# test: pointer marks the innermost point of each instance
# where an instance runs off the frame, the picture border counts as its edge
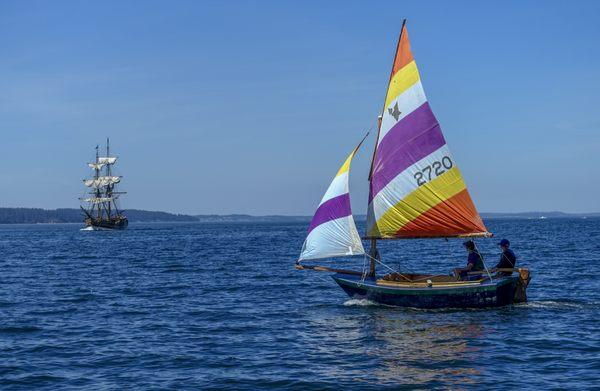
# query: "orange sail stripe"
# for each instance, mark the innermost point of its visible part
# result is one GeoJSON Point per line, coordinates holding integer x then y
{"type": "Point", "coordinates": [453, 217]}
{"type": "Point", "coordinates": [403, 55]}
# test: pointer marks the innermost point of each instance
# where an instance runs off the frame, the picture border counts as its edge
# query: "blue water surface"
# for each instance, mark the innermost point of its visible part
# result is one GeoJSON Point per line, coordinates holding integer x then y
{"type": "Point", "coordinates": [220, 306]}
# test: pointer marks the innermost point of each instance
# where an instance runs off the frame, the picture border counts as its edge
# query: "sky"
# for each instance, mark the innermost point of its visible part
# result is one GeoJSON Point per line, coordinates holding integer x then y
{"type": "Point", "coordinates": [252, 106]}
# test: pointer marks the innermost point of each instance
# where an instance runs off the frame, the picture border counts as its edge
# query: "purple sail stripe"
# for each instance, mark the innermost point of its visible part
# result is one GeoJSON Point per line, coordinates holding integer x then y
{"type": "Point", "coordinates": [331, 209]}
{"type": "Point", "coordinates": [410, 140]}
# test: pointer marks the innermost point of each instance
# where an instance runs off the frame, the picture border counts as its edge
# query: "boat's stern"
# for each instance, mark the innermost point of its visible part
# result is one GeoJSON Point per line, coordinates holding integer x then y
{"type": "Point", "coordinates": [521, 285]}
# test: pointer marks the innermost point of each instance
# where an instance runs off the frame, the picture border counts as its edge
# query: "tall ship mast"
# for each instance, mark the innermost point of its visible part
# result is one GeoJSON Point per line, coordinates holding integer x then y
{"type": "Point", "coordinates": [99, 203]}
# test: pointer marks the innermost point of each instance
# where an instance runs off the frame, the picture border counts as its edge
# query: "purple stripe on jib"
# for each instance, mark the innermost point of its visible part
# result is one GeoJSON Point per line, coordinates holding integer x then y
{"type": "Point", "coordinates": [410, 140]}
{"type": "Point", "coordinates": [331, 209]}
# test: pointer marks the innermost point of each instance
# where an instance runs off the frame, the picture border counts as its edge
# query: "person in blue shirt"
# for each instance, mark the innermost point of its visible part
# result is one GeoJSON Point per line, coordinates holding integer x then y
{"type": "Point", "coordinates": [508, 259]}
{"type": "Point", "coordinates": [474, 261]}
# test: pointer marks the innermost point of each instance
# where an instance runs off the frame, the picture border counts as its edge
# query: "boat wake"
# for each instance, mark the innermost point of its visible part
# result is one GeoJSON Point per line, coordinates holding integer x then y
{"type": "Point", "coordinates": [554, 304]}
{"type": "Point", "coordinates": [361, 303]}
{"type": "Point", "coordinates": [90, 228]}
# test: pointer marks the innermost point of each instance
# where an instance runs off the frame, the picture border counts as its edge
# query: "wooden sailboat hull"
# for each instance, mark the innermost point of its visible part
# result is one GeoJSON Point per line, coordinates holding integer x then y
{"type": "Point", "coordinates": [498, 293]}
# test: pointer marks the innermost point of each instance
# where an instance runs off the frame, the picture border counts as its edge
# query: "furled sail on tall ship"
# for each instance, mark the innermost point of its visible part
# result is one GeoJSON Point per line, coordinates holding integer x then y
{"type": "Point", "coordinates": [102, 181]}
{"type": "Point", "coordinates": [416, 188]}
{"type": "Point", "coordinates": [332, 231]}
{"type": "Point", "coordinates": [107, 160]}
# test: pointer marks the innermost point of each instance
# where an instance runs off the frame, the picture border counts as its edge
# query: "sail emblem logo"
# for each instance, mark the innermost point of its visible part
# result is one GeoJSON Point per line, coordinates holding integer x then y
{"type": "Point", "coordinates": [395, 112]}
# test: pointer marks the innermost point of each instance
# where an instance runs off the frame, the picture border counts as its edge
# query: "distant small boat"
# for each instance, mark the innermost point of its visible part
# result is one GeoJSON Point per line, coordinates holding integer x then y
{"type": "Point", "coordinates": [101, 211]}
{"type": "Point", "coordinates": [416, 191]}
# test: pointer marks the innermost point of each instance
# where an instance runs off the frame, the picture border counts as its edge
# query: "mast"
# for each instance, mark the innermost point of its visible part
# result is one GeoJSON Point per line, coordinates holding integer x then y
{"type": "Point", "coordinates": [108, 170]}
{"type": "Point", "coordinates": [96, 176]}
{"type": "Point", "coordinates": [373, 252]}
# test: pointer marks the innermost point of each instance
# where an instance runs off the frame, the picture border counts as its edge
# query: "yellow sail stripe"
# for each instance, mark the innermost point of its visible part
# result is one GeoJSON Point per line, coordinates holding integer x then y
{"type": "Point", "coordinates": [346, 166]}
{"type": "Point", "coordinates": [418, 202]}
{"type": "Point", "coordinates": [401, 81]}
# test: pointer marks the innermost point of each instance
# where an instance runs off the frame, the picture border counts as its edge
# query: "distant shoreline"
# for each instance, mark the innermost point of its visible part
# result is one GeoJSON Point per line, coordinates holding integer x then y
{"type": "Point", "coordinates": [72, 215]}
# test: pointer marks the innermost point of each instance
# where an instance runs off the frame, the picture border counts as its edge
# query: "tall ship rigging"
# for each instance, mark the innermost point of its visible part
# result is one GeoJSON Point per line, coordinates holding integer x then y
{"type": "Point", "coordinates": [416, 192]}
{"type": "Point", "coordinates": [99, 203]}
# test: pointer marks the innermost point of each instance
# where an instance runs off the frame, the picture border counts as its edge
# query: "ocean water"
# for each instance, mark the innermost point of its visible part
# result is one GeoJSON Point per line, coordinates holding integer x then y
{"type": "Point", "coordinates": [220, 306]}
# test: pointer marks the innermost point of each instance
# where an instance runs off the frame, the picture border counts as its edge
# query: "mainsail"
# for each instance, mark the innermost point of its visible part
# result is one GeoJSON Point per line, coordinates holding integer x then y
{"type": "Point", "coordinates": [416, 189]}
{"type": "Point", "coordinates": [332, 231]}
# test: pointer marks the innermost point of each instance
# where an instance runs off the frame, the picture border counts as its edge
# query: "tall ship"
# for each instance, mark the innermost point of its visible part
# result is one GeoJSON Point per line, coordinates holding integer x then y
{"type": "Point", "coordinates": [416, 191]}
{"type": "Point", "coordinates": [99, 203]}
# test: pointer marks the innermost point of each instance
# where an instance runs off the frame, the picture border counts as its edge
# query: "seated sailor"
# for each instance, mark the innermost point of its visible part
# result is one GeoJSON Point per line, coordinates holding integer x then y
{"type": "Point", "coordinates": [474, 262]}
{"type": "Point", "coordinates": [508, 259]}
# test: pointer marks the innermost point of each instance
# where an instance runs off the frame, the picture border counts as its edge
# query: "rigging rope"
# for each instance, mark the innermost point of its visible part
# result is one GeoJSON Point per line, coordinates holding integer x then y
{"type": "Point", "coordinates": [383, 264]}
{"type": "Point", "coordinates": [483, 261]}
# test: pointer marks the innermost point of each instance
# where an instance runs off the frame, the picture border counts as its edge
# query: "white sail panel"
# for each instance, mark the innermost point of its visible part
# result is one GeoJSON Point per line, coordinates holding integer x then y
{"type": "Point", "coordinates": [102, 181]}
{"type": "Point", "coordinates": [107, 160]}
{"type": "Point", "coordinates": [335, 238]}
{"type": "Point", "coordinates": [96, 166]}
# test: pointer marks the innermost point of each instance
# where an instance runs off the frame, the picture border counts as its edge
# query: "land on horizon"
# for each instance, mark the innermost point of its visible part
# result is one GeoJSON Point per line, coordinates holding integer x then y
{"type": "Point", "coordinates": [72, 215]}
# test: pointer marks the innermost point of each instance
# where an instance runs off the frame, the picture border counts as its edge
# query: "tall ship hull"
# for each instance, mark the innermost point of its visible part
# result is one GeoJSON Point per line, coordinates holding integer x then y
{"type": "Point", "coordinates": [105, 224]}
{"type": "Point", "coordinates": [101, 210]}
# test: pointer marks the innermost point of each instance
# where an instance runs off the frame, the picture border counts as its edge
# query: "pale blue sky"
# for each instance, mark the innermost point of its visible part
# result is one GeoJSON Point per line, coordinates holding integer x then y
{"type": "Point", "coordinates": [250, 107]}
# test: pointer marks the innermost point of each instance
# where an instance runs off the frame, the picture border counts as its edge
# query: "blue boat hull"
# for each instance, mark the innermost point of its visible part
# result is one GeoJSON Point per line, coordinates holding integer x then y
{"type": "Point", "coordinates": [498, 293]}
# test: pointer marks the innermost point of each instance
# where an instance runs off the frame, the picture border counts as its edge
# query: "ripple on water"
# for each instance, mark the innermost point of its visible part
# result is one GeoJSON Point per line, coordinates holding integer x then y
{"type": "Point", "coordinates": [19, 329]}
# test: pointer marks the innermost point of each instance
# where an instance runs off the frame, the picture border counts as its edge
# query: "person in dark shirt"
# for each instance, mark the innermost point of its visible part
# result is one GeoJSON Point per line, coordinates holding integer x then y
{"type": "Point", "coordinates": [474, 261]}
{"type": "Point", "coordinates": [508, 259]}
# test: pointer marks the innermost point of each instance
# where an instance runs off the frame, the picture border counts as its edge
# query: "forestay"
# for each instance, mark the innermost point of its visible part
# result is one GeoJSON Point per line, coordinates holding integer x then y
{"type": "Point", "coordinates": [416, 188]}
{"type": "Point", "coordinates": [332, 231]}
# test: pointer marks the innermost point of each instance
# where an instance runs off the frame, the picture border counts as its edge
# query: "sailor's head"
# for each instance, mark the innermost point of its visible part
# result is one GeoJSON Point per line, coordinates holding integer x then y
{"type": "Point", "coordinates": [469, 245]}
{"type": "Point", "coordinates": [504, 243]}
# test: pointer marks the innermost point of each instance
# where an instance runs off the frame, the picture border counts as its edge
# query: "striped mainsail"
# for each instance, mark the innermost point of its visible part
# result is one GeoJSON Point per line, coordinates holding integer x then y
{"type": "Point", "coordinates": [332, 232]}
{"type": "Point", "coordinates": [416, 188]}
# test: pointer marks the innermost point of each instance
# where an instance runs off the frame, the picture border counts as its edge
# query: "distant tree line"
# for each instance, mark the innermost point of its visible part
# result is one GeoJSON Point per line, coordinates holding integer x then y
{"type": "Point", "coordinates": [68, 215]}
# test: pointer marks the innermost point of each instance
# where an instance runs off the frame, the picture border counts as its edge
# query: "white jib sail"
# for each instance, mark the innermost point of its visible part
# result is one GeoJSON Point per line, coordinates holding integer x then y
{"type": "Point", "coordinates": [332, 231]}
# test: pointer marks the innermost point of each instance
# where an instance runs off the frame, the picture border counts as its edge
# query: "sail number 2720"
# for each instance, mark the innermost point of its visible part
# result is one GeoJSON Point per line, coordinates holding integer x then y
{"type": "Point", "coordinates": [433, 170]}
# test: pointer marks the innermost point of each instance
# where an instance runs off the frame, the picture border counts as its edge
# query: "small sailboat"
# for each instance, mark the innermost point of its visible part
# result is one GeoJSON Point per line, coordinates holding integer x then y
{"type": "Point", "coordinates": [101, 211]}
{"type": "Point", "coordinates": [416, 192]}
